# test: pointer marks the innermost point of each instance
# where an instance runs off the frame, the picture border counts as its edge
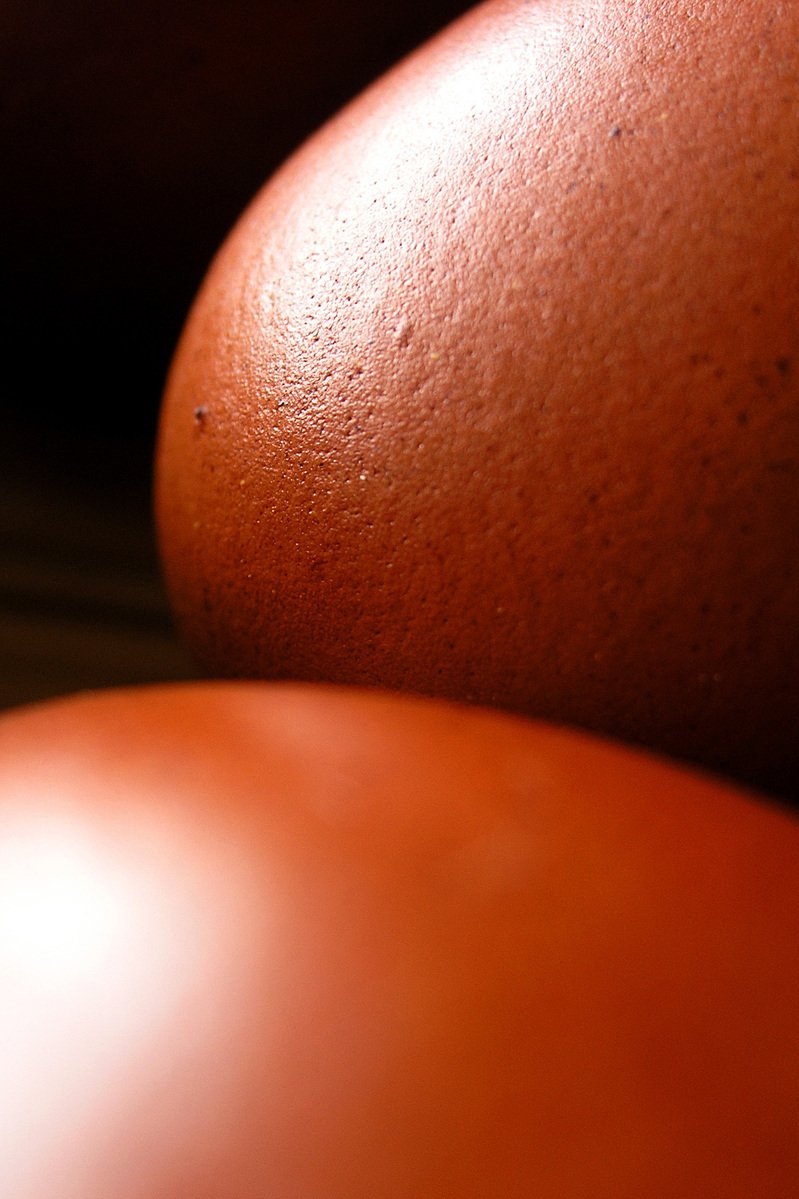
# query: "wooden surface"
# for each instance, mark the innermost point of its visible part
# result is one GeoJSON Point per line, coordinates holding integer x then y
{"type": "Point", "coordinates": [81, 599]}
{"type": "Point", "coordinates": [129, 146]}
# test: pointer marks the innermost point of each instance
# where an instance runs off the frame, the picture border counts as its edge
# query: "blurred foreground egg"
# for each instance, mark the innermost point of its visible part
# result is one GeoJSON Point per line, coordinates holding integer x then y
{"type": "Point", "coordinates": [492, 392]}
{"type": "Point", "coordinates": [271, 940]}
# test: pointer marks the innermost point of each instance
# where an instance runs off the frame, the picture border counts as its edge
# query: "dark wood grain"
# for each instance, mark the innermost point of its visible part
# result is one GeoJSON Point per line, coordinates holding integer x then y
{"type": "Point", "coordinates": [82, 604]}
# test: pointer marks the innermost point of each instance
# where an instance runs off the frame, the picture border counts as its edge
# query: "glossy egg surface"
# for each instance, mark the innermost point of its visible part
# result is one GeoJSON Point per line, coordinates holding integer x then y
{"type": "Point", "coordinates": [269, 940]}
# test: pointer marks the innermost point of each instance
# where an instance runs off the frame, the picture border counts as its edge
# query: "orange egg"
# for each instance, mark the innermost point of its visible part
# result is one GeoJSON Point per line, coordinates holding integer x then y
{"type": "Point", "coordinates": [289, 941]}
{"type": "Point", "coordinates": [492, 392]}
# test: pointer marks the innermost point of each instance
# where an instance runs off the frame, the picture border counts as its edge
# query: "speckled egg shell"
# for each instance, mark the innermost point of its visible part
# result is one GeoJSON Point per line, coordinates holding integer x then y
{"type": "Point", "coordinates": [492, 392]}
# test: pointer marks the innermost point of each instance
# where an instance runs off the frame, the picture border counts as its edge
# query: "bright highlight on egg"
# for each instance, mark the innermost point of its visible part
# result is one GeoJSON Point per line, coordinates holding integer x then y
{"type": "Point", "coordinates": [491, 397]}
{"type": "Point", "coordinates": [364, 945]}
{"type": "Point", "coordinates": [61, 907]}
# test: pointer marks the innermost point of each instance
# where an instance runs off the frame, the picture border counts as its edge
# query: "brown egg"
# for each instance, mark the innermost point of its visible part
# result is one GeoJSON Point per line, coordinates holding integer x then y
{"type": "Point", "coordinates": [287, 941]}
{"type": "Point", "coordinates": [492, 393]}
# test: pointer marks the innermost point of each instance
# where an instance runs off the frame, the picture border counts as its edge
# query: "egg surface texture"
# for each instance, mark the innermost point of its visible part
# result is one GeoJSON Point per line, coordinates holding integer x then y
{"type": "Point", "coordinates": [492, 393]}
{"type": "Point", "coordinates": [274, 940]}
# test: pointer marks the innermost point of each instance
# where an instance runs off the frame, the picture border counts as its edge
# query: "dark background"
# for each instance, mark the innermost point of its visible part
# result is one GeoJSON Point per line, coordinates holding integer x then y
{"type": "Point", "coordinates": [132, 134]}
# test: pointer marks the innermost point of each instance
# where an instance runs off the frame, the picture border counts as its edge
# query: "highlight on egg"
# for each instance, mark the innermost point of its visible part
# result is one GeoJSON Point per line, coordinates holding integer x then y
{"type": "Point", "coordinates": [291, 940]}
{"type": "Point", "coordinates": [492, 391]}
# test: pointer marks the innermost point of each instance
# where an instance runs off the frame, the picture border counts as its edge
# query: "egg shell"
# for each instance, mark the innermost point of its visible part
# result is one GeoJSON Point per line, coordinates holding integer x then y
{"type": "Point", "coordinates": [282, 940]}
{"type": "Point", "coordinates": [492, 392]}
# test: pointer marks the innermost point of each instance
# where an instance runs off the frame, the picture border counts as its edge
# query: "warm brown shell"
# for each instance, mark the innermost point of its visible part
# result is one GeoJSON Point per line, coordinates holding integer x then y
{"type": "Point", "coordinates": [280, 942]}
{"type": "Point", "coordinates": [492, 393]}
